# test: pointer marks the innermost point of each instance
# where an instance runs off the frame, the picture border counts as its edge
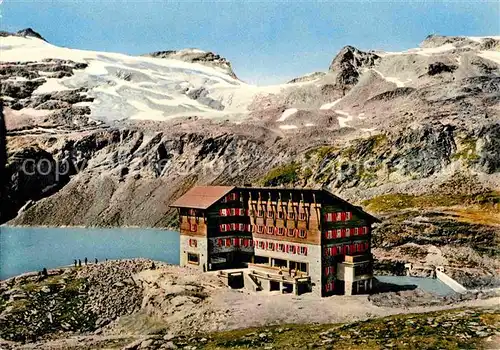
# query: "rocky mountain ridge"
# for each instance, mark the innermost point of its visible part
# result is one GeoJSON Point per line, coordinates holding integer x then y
{"type": "Point", "coordinates": [27, 32]}
{"type": "Point", "coordinates": [209, 59]}
{"type": "Point", "coordinates": [398, 121]}
{"type": "Point", "coordinates": [100, 139]}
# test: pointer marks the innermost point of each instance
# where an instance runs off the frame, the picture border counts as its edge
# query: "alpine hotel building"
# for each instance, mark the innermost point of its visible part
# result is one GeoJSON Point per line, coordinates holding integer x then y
{"type": "Point", "coordinates": [310, 232]}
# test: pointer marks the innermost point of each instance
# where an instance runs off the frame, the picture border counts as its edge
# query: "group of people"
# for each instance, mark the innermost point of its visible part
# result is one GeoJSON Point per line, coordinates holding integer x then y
{"type": "Point", "coordinates": [86, 261]}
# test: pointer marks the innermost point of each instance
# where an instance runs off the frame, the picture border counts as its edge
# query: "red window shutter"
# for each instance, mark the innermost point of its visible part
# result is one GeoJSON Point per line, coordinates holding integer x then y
{"type": "Point", "coordinates": [228, 242]}
{"type": "Point", "coordinates": [367, 245]}
{"type": "Point", "coordinates": [219, 242]}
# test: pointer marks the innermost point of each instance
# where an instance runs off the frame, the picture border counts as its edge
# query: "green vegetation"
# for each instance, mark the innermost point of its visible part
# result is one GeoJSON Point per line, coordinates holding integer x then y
{"type": "Point", "coordinates": [467, 151]}
{"type": "Point", "coordinates": [61, 296]}
{"type": "Point", "coordinates": [378, 141]}
{"type": "Point", "coordinates": [455, 329]}
{"type": "Point", "coordinates": [282, 175]}
{"type": "Point", "coordinates": [320, 152]}
{"type": "Point", "coordinates": [398, 201]}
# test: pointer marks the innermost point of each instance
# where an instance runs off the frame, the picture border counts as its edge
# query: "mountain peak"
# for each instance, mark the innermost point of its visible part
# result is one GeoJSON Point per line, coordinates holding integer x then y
{"type": "Point", "coordinates": [26, 32]}
{"type": "Point", "coordinates": [193, 55]}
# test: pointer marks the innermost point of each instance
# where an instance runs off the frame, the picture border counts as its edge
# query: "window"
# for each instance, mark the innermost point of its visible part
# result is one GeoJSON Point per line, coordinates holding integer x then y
{"type": "Point", "coordinates": [270, 214]}
{"type": "Point", "coordinates": [329, 217]}
{"type": "Point", "coordinates": [193, 258]}
{"type": "Point", "coordinates": [291, 215]}
{"type": "Point", "coordinates": [291, 232]}
{"type": "Point", "coordinates": [269, 230]}
{"type": "Point", "coordinates": [302, 216]}
{"type": "Point", "coordinates": [303, 250]}
{"type": "Point", "coordinates": [291, 249]}
{"type": "Point", "coordinates": [193, 242]}
{"type": "Point", "coordinates": [261, 229]}
{"type": "Point", "coordinates": [261, 213]}
{"type": "Point", "coordinates": [193, 227]}
{"type": "Point", "coordinates": [270, 246]}
{"type": "Point", "coordinates": [329, 287]}
{"type": "Point", "coordinates": [281, 231]}
{"type": "Point", "coordinates": [280, 215]}
{"type": "Point", "coordinates": [302, 233]}
{"type": "Point", "coordinates": [262, 245]}
{"type": "Point", "coordinates": [281, 247]}
{"type": "Point", "coordinates": [329, 270]}
{"type": "Point", "coordinates": [348, 215]}
{"type": "Point", "coordinates": [228, 242]}
{"type": "Point", "coordinates": [331, 251]}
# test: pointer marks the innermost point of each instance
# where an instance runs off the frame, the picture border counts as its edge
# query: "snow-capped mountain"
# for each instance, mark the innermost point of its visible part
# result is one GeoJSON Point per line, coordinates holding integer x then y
{"type": "Point", "coordinates": [154, 125]}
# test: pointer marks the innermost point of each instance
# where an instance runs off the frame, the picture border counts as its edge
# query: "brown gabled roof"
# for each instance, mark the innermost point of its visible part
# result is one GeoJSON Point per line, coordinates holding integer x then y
{"type": "Point", "coordinates": [202, 197]}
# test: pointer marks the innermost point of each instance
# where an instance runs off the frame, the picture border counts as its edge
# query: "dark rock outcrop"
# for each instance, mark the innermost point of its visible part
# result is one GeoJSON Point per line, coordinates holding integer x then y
{"type": "Point", "coordinates": [348, 64]}
{"type": "Point", "coordinates": [440, 67]}
{"type": "Point", "coordinates": [27, 32]}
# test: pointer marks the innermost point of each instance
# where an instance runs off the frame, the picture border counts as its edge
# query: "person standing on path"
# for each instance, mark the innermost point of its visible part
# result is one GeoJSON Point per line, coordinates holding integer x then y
{"type": "Point", "coordinates": [79, 263]}
{"type": "Point", "coordinates": [96, 260]}
{"type": "Point", "coordinates": [86, 260]}
{"type": "Point", "coordinates": [75, 262]}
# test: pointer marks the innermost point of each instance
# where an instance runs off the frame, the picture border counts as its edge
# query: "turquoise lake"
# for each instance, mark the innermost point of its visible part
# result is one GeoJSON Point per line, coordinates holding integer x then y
{"type": "Point", "coordinates": [25, 249]}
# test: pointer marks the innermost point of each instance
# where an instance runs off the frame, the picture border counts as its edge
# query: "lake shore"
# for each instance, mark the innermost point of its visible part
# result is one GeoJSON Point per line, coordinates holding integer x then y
{"type": "Point", "coordinates": [26, 249]}
{"type": "Point", "coordinates": [132, 299]}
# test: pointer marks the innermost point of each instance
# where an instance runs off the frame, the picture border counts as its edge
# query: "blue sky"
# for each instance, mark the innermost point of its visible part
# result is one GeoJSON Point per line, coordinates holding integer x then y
{"type": "Point", "coordinates": [266, 42]}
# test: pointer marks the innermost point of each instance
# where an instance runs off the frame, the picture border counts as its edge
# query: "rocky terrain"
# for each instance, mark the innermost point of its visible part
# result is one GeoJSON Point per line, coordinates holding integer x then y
{"type": "Point", "coordinates": [105, 139]}
{"type": "Point", "coordinates": [141, 304]}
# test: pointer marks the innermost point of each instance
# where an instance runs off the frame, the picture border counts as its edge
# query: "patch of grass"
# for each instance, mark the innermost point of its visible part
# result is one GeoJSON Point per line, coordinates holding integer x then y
{"type": "Point", "coordinates": [399, 201]}
{"type": "Point", "coordinates": [451, 329]}
{"type": "Point", "coordinates": [467, 151]}
{"type": "Point", "coordinates": [74, 286]}
{"type": "Point", "coordinates": [307, 173]}
{"type": "Point", "coordinates": [20, 305]}
{"type": "Point", "coordinates": [282, 175]}
{"type": "Point", "coordinates": [320, 152]}
{"type": "Point", "coordinates": [477, 215]}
